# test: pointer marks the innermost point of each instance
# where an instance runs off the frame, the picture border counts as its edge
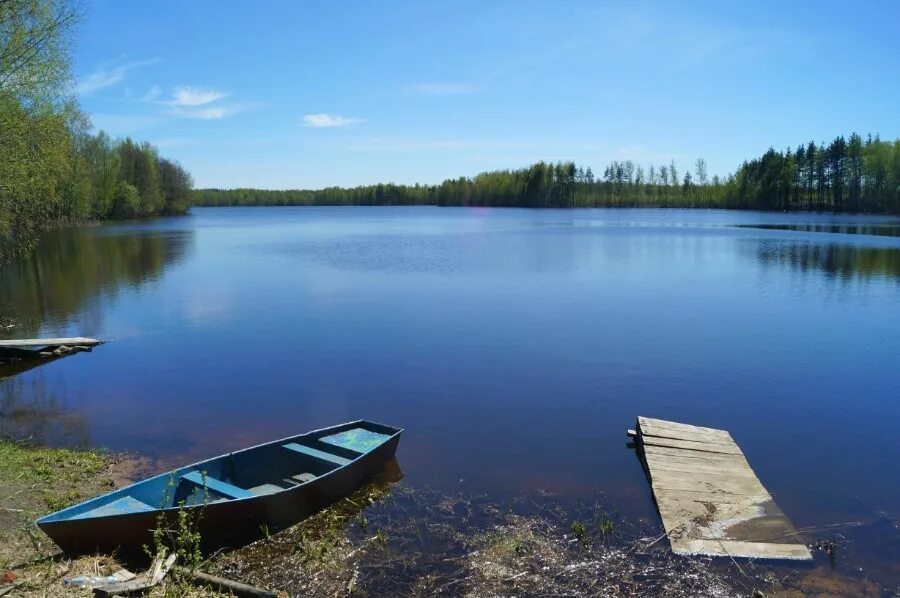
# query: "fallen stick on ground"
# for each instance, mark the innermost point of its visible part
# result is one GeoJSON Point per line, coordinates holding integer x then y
{"type": "Point", "coordinates": [236, 588]}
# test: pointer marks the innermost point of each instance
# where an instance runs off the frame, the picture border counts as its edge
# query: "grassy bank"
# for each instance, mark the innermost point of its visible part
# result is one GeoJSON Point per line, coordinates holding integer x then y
{"type": "Point", "coordinates": [35, 481]}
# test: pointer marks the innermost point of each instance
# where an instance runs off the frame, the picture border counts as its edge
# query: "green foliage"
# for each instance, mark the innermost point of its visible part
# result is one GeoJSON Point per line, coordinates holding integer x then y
{"type": "Point", "coordinates": [606, 525]}
{"type": "Point", "coordinates": [52, 170]}
{"type": "Point", "coordinates": [846, 175]}
{"type": "Point", "coordinates": [127, 201]}
{"type": "Point", "coordinates": [33, 154]}
{"type": "Point", "coordinates": [34, 51]}
{"type": "Point", "coordinates": [184, 537]}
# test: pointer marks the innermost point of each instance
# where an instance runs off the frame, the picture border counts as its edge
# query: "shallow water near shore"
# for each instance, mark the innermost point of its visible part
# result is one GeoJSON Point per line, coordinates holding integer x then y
{"type": "Point", "coordinates": [514, 346]}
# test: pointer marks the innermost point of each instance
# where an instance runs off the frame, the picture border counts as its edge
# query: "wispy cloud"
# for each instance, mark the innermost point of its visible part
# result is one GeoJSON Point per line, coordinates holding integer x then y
{"type": "Point", "coordinates": [152, 93]}
{"type": "Point", "coordinates": [323, 120]}
{"type": "Point", "coordinates": [107, 75]}
{"type": "Point", "coordinates": [209, 113]}
{"type": "Point", "coordinates": [441, 88]}
{"type": "Point", "coordinates": [195, 96]}
{"type": "Point", "coordinates": [200, 103]}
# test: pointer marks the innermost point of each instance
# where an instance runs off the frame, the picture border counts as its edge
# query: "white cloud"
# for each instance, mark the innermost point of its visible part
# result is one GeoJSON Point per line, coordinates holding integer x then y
{"type": "Point", "coordinates": [323, 120]}
{"type": "Point", "coordinates": [441, 88]}
{"type": "Point", "coordinates": [108, 75]}
{"type": "Point", "coordinates": [195, 96]}
{"type": "Point", "coordinates": [152, 93]}
{"type": "Point", "coordinates": [210, 113]}
{"type": "Point", "coordinates": [200, 103]}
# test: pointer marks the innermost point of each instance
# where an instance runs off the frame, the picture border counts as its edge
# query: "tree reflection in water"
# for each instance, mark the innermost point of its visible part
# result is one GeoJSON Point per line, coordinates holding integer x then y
{"type": "Point", "coordinates": [69, 277]}
{"type": "Point", "coordinates": [877, 229]}
{"type": "Point", "coordinates": [837, 260]}
{"type": "Point", "coordinates": [73, 269]}
{"type": "Point", "coordinates": [30, 411]}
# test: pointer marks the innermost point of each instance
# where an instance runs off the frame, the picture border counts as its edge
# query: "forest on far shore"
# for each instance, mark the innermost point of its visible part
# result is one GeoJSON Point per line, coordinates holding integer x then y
{"type": "Point", "coordinates": [55, 169]}
{"type": "Point", "coordinates": [848, 175]}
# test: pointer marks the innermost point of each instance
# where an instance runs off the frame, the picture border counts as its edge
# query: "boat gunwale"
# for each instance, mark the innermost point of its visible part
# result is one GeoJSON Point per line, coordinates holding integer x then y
{"type": "Point", "coordinates": [54, 518]}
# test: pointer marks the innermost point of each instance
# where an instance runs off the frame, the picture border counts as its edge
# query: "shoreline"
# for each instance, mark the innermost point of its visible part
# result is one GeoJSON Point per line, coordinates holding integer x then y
{"type": "Point", "coordinates": [388, 537]}
{"type": "Point", "coordinates": [530, 208]}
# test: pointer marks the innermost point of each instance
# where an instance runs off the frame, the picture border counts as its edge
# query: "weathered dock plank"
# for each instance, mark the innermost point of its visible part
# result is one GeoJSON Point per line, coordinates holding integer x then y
{"type": "Point", "coordinates": [710, 500]}
{"type": "Point", "coordinates": [692, 445]}
{"type": "Point", "coordinates": [76, 341]}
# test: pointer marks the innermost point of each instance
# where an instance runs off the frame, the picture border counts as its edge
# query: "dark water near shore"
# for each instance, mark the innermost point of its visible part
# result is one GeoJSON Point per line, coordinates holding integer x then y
{"type": "Point", "coordinates": [514, 346]}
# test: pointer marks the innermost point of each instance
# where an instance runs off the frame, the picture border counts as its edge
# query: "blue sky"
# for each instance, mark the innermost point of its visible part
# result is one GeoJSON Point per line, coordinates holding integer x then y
{"type": "Point", "coordinates": [295, 94]}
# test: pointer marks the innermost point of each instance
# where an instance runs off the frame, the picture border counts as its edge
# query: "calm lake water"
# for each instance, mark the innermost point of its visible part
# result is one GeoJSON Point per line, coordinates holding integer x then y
{"type": "Point", "coordinates": [515, 346]}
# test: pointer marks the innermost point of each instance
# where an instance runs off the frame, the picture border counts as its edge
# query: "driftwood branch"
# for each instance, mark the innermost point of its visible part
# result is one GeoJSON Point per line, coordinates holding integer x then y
{"type": "Point", "coordinates": [227, 586]}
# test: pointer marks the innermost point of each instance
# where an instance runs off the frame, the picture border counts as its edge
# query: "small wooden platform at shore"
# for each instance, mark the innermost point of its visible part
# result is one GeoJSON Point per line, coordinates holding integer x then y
{"type": "Point", "coordinates": [48, 343]}
{"type": "Point", "coordinates": [710, 501]}
{"type": "Point", "coordinates": [20, 355]}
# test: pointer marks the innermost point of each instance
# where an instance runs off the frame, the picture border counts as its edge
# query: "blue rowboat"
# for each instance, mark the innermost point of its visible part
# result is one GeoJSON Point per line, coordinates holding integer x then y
{"type": "Point", "coordinates": [237, 497]}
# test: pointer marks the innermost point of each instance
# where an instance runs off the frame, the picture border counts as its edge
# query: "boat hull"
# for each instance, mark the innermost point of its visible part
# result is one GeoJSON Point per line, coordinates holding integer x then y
{"type": "Point", "coordinates": [222, 525]}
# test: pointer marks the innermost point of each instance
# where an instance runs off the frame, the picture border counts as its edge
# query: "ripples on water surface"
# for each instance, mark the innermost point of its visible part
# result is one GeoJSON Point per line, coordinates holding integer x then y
{"type": "Point", "coordinates": [514, 346]}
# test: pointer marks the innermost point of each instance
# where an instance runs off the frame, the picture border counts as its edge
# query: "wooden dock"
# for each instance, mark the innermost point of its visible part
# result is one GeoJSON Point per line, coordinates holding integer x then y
{"type": "Point", "coordinates": [20, 355]}
{"type": "Point", "coordinates": [77, 341]}
{"type": "Point", "coordinates": [710, 501]}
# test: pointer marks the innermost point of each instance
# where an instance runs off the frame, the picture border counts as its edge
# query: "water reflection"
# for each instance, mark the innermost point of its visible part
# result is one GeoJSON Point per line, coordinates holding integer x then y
{"type": "Point", "coordinates": [880, 230]}
{"type": "Point", "coordinates": [13, 367]}
{"type": "Point", "coordinates": [72, 268]}
{"type": "Point", "coordinates": [838, 260]}
{"type": "Point", "coordinates": [30, 410]}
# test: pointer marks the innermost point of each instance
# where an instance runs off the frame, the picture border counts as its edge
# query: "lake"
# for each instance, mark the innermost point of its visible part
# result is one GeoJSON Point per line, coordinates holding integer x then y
{"type": "Point", "coordinates": [515, 346]}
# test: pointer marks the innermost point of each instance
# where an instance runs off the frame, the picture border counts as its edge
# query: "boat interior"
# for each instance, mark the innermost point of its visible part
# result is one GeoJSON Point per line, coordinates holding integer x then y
{"type": "Point", "coordinates": [251, 472]}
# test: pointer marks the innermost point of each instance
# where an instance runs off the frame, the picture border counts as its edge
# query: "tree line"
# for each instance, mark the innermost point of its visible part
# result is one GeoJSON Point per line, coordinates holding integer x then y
{"type": "Point", "coordinates": [846, 175]}
{"type": "Point", "coordinates": [52, 169]}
